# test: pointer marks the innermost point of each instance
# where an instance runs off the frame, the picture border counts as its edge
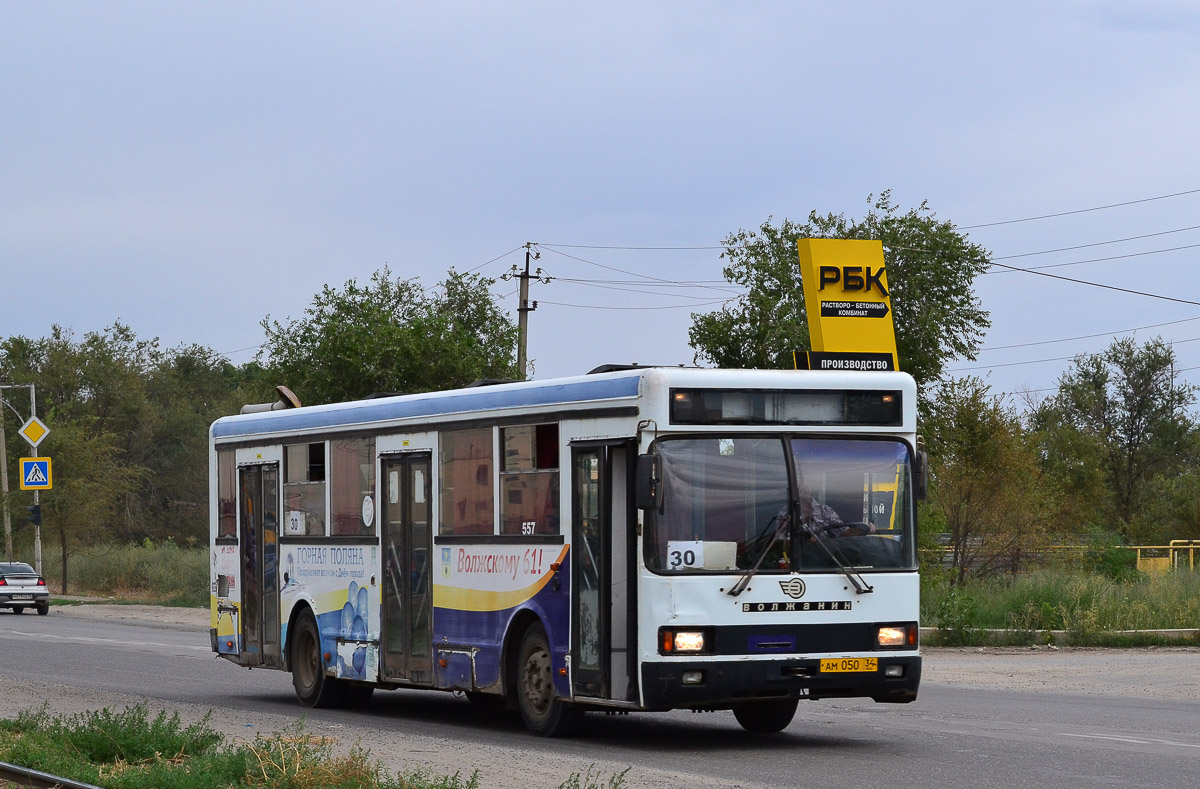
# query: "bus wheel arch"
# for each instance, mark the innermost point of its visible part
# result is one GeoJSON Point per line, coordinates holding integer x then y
{"type": "Point", "coordinates": [314, 688]}
{"type": "Point", "coordinates": [301, 608]}
{"type": "Point", "coordinates": [543, 711]}
{"type": "Point", "coordinates": [521, 621]}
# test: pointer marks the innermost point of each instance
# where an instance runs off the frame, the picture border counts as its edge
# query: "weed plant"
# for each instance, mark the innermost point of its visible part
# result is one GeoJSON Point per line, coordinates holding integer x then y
{"type": "Point", "coordinates": [163, 573]}
{"type": "Point", "coordinates": [1089, 606]}
{"type": "Point", "coordinates": [133, 750]}
{"type": "Point", "coordinates": [122, 750]}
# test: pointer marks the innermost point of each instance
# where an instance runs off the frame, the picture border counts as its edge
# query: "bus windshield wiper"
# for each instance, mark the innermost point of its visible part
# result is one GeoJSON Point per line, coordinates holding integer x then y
{"type": "Point", "coordinates": [856, 580]}
{"type": "Point", "coordinates": [781, 529]}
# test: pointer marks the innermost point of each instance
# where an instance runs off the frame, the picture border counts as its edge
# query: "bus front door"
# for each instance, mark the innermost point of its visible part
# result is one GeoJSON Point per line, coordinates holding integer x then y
{"type": "Point", "coordinates": [601, 550]}
{"type": "Point", "coordinates": [407, 652]}
{"type": "Point", "coordinates": [258, 486]}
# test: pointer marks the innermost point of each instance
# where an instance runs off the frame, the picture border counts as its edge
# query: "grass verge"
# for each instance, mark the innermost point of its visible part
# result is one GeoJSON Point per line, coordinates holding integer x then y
{"type": "Point", "coordinates": [131, 749]}
{"type": "Point", "coordinates": [1084, 608]}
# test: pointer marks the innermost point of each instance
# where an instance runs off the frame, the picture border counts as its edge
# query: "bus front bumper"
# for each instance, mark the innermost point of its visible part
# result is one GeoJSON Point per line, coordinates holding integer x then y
{"type": "Point", "coordinates": [717, 684]}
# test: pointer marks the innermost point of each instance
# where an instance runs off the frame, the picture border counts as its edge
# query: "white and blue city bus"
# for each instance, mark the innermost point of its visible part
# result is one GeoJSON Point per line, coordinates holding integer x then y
{"type": "Point", "coordinates": [633, 539]}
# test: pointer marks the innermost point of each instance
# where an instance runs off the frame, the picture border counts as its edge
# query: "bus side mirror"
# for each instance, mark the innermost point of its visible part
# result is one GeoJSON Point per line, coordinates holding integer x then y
{"type": "Point", "coordinates": [922, 474]}
{"type": "Point", "coordinates": [649, 482]}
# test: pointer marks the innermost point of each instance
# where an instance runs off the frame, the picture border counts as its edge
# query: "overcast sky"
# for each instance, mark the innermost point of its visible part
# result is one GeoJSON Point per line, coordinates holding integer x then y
{"type": "Point", "coordinates": [191, 168]}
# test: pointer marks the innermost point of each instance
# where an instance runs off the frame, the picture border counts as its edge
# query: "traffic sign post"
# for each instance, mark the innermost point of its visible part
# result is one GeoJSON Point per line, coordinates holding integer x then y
{"type": "Point", "coordinates": [34, 431]}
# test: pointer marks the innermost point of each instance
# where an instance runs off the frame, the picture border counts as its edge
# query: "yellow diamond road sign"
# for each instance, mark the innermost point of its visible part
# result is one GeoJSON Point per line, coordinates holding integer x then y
{"type": "Point", "coordinates": [34, 431]}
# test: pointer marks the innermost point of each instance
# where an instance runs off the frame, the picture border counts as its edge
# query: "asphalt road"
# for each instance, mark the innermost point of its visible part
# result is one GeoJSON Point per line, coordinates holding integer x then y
{"type": "Point", "coordinates": [1003, 724]}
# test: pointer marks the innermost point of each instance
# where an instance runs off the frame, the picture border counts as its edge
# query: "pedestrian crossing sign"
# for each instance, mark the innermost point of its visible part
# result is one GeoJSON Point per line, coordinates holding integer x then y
{"type": "Point", "coordinates": [36, 474]}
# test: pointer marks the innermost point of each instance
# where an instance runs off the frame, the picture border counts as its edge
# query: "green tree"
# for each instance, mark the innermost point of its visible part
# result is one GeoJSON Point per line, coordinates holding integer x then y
{"type": "Point", "coordinates": [987, 488]}
{"type": "Point", "coordinates": [140, 409]}
{"type": "Point", "coordinates": [391, 336]}
{"type": "Point", "coordinates": [91, 488]}
{"type": "Point", "coordinates": [931, 268]}
{"type": "Point", "coordinates": [187, 390]}
{"type": "Point", "coordinates": [1122, 413]}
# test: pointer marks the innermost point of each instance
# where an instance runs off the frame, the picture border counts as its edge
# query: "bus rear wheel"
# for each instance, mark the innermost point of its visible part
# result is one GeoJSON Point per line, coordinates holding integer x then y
{"type": "Point", "coordinates": [313, 688]}
{"type": "Point", "coordinates": [544, 713]}
{"type": "Point", "coordinates": [765, 717]}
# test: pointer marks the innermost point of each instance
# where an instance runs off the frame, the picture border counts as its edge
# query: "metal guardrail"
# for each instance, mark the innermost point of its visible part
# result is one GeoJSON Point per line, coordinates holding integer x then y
{"type": "Point", "coordinates": [1177, 554]}
{"type": "Point", "coordinates": [23, 776]}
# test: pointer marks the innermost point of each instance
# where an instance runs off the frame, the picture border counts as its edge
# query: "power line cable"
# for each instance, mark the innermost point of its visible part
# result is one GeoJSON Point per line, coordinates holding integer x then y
{"type": "Point", "coordinates": [1055, 388]}
{"type": "Point", "coordinates": [239, 350]}
{"type": "Point", "coordinates": [1172, 343]}
{"type": "Point", "coordinates": [683, 283]}
{"type": "Point", "coordinates": [1080, 211]}
{"type": "Point", "coordinates": [1087, 336]}
{"type": "Point", "coordinates": [493, 260]}
{"type": "Point", "coordinates": [604, 307]}
{"type": "Point", "coordinates": [1099, 260]}
{"type": "Point", "coordinates": [1099, 285]}
{"type": "Point", "coordinates": [635, 290]}
{"type": "Point", "coordinates": [1098, 243]}
{"type": "Point", "coordinates": [481, 265]}
{"type": "Point", "coordinates": [614, 268]}
{"type": "Point", "coordinates": [602, 246]}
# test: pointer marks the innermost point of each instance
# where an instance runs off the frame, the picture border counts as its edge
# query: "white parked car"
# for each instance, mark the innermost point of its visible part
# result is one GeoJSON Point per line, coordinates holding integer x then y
{"type": "Point", "coordinates": [21, 587]}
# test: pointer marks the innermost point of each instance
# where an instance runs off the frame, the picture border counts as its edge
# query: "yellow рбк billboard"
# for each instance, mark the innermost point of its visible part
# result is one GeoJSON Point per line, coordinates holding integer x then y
{"type": "Point", "coordinates": [848, 304]}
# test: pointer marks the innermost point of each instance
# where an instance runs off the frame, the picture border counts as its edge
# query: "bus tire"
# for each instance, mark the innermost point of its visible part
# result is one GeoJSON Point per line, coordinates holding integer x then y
{"type": "Point", "coordinates": [544, 713]}
{"type": "Point", "coordinates": [313, 688]}
{"type": "Point", "coordinates": [765, 717]}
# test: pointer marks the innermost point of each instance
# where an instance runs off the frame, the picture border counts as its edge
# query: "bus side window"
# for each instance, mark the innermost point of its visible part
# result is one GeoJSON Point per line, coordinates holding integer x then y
{"type": "Point", "coordinates": [466, 482]}
{"type": "Point", "coordinates": [226, 509]}
{"type": "Point", "coordinates": [352, 487]}
{"type": "Point", "coordinates": [529, 480]}
{"type": "Point", "coordinates": [304, 489]}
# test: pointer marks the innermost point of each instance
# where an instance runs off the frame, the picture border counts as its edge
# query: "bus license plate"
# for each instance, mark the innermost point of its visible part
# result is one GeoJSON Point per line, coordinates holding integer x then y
{"type": "Point", "coordinates": [849, 665]}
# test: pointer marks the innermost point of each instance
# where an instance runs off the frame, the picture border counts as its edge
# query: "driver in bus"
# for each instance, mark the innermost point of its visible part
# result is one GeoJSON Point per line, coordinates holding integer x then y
{"type": "Point", "coordinates": [820, 520]}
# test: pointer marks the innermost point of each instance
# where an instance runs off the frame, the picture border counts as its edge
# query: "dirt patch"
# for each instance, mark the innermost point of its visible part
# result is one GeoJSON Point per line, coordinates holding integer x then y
{"type": "Point", "coordinates": [1169, 673]}
{"type": "Point", "coordinates": [145, 614]}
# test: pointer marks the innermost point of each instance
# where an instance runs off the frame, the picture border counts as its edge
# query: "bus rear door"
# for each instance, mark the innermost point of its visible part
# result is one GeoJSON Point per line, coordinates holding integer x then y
{"type": "Point", "coordinates": [258, 508]}
{"type": "Point", "coordinates": [406, 534]}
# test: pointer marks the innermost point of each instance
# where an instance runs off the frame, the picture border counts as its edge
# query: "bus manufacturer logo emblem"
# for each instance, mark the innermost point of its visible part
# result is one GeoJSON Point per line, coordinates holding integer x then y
{"type": "Point", "coordinates": [793, 588]}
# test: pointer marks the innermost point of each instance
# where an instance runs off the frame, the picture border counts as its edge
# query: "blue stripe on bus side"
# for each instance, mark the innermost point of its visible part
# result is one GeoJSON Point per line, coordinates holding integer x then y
{"type": "Point", "coordinates": [435, 404]}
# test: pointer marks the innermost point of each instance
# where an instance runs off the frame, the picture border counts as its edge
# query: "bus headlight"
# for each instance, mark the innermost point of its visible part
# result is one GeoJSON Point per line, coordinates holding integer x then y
{"type": "Point", "coordinates": [896, 636]}
{"type": "Point", "coordinates": [691, 641]}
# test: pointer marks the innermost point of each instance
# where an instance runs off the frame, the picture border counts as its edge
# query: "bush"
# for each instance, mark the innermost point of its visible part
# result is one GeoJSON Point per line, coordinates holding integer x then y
{"type": "Point", "coordinates": [955, 617]}
{"type": "Point", "coordinates": [1088, 606]}
{"type": "Point", "coordinates": [1105, 555]}
{"type": "Point", "coordinates": [163, 573]}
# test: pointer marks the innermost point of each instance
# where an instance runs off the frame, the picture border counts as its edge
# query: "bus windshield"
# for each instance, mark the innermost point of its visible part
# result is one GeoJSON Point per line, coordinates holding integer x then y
{"type": "Point", "coordinates": [801, 504]}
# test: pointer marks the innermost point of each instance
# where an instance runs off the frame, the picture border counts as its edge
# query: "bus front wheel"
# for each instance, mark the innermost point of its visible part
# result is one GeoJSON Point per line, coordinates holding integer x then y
{"type": "Point", "coordinates": [313, 688]}
{"type": "Point", "coordinates": [544, 713]}
{"type": "Point", "coordinates": [765, 717]}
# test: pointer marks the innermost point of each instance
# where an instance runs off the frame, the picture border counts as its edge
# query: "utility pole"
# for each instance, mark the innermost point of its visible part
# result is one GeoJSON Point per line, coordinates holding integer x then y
{"type": "Point", "coordinates": [4, 486]}
{"type": "Point", "coordinates": [37, 527]}
{"type": "Point", "coordinates": [524, 308]}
